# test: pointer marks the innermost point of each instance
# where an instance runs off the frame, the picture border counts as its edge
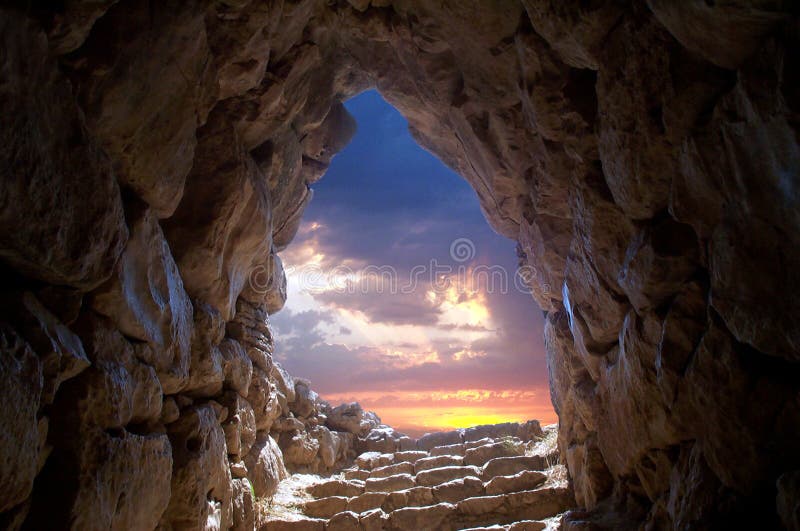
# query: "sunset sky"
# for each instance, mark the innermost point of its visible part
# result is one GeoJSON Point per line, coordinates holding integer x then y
{"type": "Point", "coordinates": [401, 297]}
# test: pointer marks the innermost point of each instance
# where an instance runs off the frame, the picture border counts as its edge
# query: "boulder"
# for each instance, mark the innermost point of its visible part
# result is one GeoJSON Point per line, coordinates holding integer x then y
{"type": "Point", "coordinates": [243, 505]}
{"type": "Point", "coordinates": [265, 466]}
{"type": "Point", "coordinates": [201, 479]}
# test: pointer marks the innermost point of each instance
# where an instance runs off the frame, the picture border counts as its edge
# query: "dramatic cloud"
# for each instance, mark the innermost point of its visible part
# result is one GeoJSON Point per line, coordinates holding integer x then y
{"type": "Point", "coordinates": [384, 310]}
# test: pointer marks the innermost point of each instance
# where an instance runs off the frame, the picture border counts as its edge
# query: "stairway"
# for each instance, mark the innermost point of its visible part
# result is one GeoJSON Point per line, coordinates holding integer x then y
{"type": "Point", "coordinates": [490, 483]}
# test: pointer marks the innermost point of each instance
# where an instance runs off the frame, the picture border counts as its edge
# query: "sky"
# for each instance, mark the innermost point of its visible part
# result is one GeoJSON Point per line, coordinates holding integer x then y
{"type": "Point", "coordinates": [400, 295]}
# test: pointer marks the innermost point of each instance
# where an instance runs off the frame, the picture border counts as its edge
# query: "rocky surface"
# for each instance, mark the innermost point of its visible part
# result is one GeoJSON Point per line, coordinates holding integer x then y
{"type": "Point", "coordinates": [157, 156]}
{"type": "Point", "coordinates": [526, 488]}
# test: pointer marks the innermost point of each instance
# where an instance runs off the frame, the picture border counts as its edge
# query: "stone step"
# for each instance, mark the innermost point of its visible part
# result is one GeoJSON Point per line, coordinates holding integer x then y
{"type": "Point", "coordinates": [390, 484]}
{"type": "Point", "coordinates": [524, 525]}
{"type": "Point", "coordinates": [366, 502]}
{"type": "Point", "coordinates": [297, 524]}
{"type": "Point", "coordinates": [370, 460]}
{"type": "Point", "coordinates": [478, 442]}
{"type": "Point", "coordinates": [374, 520]}
{"type": "Point", "coordinates": [344, 521]}
{"type": "Point", "coordinates": [458, 489]}
{"type": "Point", "coordinates": [355, 473]}
{"type": "Point", "coordinates": [413, 497]}
{"type": "Point", "coordinates": [438, 461]}
{"type": "Point", "coordinates": [422, 518]}
{"type": "Point", "coordinates": [411, 456]}
{"type": "Point", "coordinates": [450, 449]}
{"type": "Point", "coordinates": [508, 466]}
{"type": "Point", "coordinates": [336, 487]}
{"type": "Point", "coordinates": [325, 507]}
{"type": "Point", "coordinates": [535, 504]}
{"type": "Point", "coordinates": [437, 476]}
{"type": "Point", "coordinates": [441, 438]}
{"type": "Point", "coordinates": [480, 455]}
{"type": "Point", "coordinates": [392, 470]}
{"type": "Point", "coordinates": [525, 480]}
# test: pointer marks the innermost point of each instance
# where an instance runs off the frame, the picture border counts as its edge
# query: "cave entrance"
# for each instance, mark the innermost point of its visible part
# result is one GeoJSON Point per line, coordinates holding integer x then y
{"type": "Point", "coordinates": [401, 296]}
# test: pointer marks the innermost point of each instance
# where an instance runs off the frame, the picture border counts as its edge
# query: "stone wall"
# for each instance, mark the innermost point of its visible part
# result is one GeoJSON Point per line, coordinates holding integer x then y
{"type": "Point", "coordinates": [156, 157]}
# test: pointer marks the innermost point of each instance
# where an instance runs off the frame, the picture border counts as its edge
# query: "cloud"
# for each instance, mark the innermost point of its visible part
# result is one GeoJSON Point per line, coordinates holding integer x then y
{"type": "Point", "coordinates": [387, 202]}
{"type": "Point", "coordinates": [391, 308]}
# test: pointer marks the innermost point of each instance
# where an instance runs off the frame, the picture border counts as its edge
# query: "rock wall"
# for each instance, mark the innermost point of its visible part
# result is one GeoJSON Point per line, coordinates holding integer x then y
{"type": "Point", "coordinates": [157, 155]}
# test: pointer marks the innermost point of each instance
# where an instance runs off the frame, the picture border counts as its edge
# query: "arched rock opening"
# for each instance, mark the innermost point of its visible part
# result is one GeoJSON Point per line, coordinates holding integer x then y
{"type": "Point", "coordinates": [157, 156]}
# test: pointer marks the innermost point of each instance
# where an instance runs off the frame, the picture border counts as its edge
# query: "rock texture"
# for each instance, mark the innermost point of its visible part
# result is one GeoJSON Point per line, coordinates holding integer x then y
{"type": "Point", "coordinates": [407, 490]}
{"type": "Point", "coordinates": [156, 158]}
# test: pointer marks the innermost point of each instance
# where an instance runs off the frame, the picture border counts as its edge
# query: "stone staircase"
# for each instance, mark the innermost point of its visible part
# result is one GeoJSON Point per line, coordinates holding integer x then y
{"type": "Point", "coordinates": [487, 483]}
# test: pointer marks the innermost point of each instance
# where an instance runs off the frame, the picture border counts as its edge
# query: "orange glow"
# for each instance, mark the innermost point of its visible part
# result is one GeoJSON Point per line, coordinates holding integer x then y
{"type": "Point", "coordinates": [418, 412]}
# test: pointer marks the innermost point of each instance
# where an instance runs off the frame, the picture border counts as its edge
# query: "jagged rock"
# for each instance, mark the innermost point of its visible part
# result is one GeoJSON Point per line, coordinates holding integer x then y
{"type": "Point", "coordinates": [117, 389]}
{"type": "Point", "coordinates": [351, 418]}
{"type": "Point", "coordinates": [235, 221]}
{"type": "Point", "coordinates": [145, 298]}
{"type": "Point", "coordinates": [60, 351]}
{"type": "Point", "coordinates": [305, 402]}
{"type": "Point", "coordinates": [738, 27]}
{"type": "Point", "coordinates": [207, 374]}
{"type": "Point", "coordinates": [645, 165]}
{"type": "Point", "coordinates": [236, 366]}
{"type": "Point", "coordinates": [124, 482]}
{"type": "Point", "coordinates": [21, 390]}
{"type": "Point", "coordinates": [441, 438]}
{"type": "Point", "coordinates": [242, 502]}
{"type": "Point", "coordinates": [250, 327]}
{"type": "Point", "coordinates": [240, 426]}
{"type": "Point", "coordinates": [299, 449]}
{"type": "Point", "coordinates": [62, 220]}
{"type": "Point", "coordinates": [148, 128]}
{"type": "Point", "coordinates": [265, 465]}
{"type": "Point", "coordinates": [264, 399]}
{"type": "Point", "coordinates": [201, 479]}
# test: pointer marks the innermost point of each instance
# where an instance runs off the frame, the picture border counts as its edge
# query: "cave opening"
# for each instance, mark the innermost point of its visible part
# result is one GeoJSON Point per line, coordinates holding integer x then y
{"type": "Point", "coordinates": [402, 298]}
{"type": "Point", "coordinates": [157, 158]}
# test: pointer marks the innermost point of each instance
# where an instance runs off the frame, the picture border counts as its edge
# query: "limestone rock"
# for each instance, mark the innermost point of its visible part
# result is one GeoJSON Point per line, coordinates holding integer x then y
{"type": "Point", "coordinates": [201, 479]}
{"type": "Point", "coordinates": [123, 483]}
{"type": "Point", "coordinates": [236, 365]}
{"type": "Point", "coordinates": [60, 351]}
{"type": "Point", "coordinates": [243, 512]}
{"type": "Point", "coordinates": [145, 297]}
{"type": "Point", "coordinates": [21, 389]}
{"type": "Point", "coordinates": [738, 27]}
{"type": "Point", "coordinates": [228, 215]}
{"type": "Point", "coordinates": [240, 425]}
{"type": "Point", "coordinates": [265, 465]}
{"type": "Point", "coordinates": [148, 128]}
{"type": "Point", "coordinates": [62, 220]}
{"type": "Point", "coordinates": [350, 418]}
